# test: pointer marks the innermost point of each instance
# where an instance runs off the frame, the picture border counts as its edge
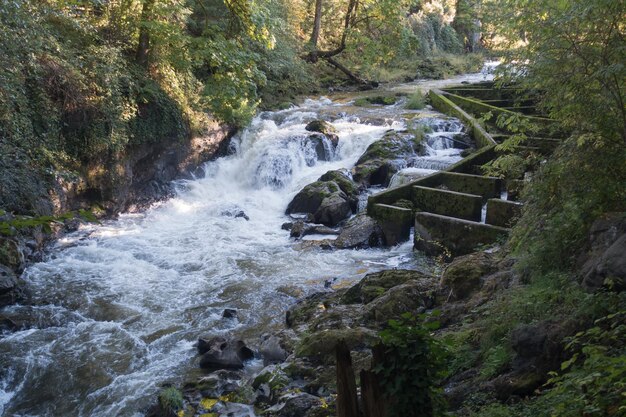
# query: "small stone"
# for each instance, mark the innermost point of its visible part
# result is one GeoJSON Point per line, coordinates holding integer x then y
{"type": "Point", "coordinates": [229, 313]}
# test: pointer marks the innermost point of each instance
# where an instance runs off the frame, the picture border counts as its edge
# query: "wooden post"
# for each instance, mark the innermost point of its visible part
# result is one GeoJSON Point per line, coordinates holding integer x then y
{"type": "Point", "coordinates": [373, 400]}
{"type": "Point", "coordinates": [347, 401]}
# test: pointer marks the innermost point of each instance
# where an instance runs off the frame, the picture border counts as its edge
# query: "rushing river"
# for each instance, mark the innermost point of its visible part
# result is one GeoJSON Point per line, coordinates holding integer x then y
{"type": "Point", "coordinates": [116, 308]}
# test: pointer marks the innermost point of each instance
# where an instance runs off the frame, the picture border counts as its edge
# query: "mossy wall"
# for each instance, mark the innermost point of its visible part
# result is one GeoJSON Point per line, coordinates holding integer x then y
{"type": "Point", "coordinates": [444, 105]}
{"type": "Point", "coordinates": [460, 237]}
{"type": "Point", "coordinates": [502, 212]}
{"type": "Point", "coordinates": [448, 203]}
{"type": "Point", "coordinates": [395, 221]}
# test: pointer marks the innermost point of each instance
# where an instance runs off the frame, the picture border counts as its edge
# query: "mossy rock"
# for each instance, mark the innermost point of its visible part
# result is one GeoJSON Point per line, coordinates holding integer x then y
{"type": "Point", "coordinates": [10, 254]}
{"type": "Point", "coordinates": [321, 345]}
{"type": "Point", "coordinates": [384, 158]}
{"type": "Point", "coordinates": [306, 309]}
{"type": "Point", "coordinates": [170, 401]}
{"type": "Point", "coordinates": [343, 181]}
{"type": "Point", "coordinates": [463, 275]}
{"type": "Point", "coordinates": [322, 127]}
{"type": "Point", "coordinates": [408, 297]}
{"type": "Point", "coordinates": [376, 284]}
{"type": "Point", "coordinates": [375, 100]}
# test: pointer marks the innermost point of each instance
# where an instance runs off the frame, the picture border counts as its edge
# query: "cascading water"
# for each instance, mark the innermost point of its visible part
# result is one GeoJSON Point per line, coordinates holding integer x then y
{"type": "Point", "coordinates": [117, 307]}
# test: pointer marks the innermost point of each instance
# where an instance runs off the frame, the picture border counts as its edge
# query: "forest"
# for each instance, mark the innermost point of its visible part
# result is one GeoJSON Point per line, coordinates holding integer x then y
{"type": "Point", "coordinates": [117, 114]}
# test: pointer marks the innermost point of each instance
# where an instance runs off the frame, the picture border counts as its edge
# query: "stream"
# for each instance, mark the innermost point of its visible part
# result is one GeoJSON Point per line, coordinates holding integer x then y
{"type": "Point", "coordinates": [117, 307]}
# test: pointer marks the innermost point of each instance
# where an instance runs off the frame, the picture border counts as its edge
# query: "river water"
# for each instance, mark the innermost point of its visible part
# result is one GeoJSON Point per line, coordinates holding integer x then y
{"type": "Point", "coordinates": [116, 308]}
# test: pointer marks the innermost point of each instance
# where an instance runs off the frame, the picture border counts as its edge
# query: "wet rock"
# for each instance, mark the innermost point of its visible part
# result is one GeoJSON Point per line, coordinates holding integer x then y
{"type": "Point", "coordinates": [333, 210]}
{"type": "Point", "coordinates": [272, 350]}
{"type": "Point", "coordinates": [9, 289]}
{"type": "Point", "coordinates": [287, 226]}
{"type": "Point", "coordinates": [236, 213]}
{"type": "Point", "coordinates": [360, 232]}
{"type": "Point", "coordinates": [324, 131]}
{"type": "Point", "coordinates": [376, 284]}
{"type": "Point", "coordinates": [344, 180]}
{"type": "Point", "coordinates": [300, 229]}
{"type": "Point", "coordinates": [607, 269]}
{"type": "Point", "coordinates": [229, 313]}
{"type": "Point", "coordinates": [11, 255]}
{"type": "Point", "coordinates": [294, 405]}
{"type": "Point", "coordinates": [328, 204]}
{"type": "Point", "coordinates": [385, 157]}
{"type": "Point", "coordinates": [463, 275]}
{"type": "Point", "coordinates": [520, 384]}
{"type": "Point", "coordinates": [304, 310]}
{"type": "Point", "coordinates": [291, 291]}
{"type": "Point", "coordinates": [408, 297]}
{"type": "Point", "coordinates": [321, 126]}
{"type": "Point", "coordinates": [319, 346]}
{"type": "Point", "coordinates": [604, 264]}
{"type": "Point", "coordinates": [7, 324]}
{"type": "Point", "coordinates": [324, 145]}
{"type": "Point", "coordinates": [220, 353]}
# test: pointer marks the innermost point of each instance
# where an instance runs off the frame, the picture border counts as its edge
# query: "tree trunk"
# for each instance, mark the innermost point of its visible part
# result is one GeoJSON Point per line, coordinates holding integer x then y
{"type": "Point", "coordinates": [143, 48]}
{"type": "Point", "coordinates": [317, 25]}
{"type": "Point", "coordinates": [347, 401]}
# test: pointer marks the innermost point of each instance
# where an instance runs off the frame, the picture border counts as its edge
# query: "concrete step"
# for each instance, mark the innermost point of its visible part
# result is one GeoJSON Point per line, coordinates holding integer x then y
{"type": "Point", "coordinates": [436, 234]}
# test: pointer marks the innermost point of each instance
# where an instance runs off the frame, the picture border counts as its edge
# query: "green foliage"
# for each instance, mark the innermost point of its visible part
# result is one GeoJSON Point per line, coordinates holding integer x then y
{"type": "Point", "coordinates": [593, 380]}
{"type": "Point", "coordinates": [574, 52]}
{"type": "Point", "coordinates": [412, 366]}
{"type": "Point", "coordinates": [416, 101]}
{"type": "Point", "coordinates": [170, 400]}
{"type": "Point", "coordinates": [572, 189]}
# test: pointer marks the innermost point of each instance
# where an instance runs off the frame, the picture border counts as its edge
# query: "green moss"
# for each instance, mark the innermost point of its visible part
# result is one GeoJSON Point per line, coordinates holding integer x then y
{"type": "Point", "coordinates": [375, 100]}
{"type": "Point", "coordinates": [170, 400]}
{"type": "Point", "coordinates": [321, 345]}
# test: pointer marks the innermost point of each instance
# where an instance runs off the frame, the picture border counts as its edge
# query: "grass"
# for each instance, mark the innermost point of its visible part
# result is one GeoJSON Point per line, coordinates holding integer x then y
{"type": "Point", "coordinates": [416, 101]}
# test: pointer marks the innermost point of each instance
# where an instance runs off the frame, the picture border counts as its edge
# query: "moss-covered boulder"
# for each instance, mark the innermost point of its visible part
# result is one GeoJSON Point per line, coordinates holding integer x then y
{"type": "Point", "coordinates": [9, 290]}
{"type": "Point", "coordinates": [385, 157]}
{"type": "Point", "coordinates": [360, 232]}
{"type": "Point", "coordinates": [320, 346]}
{"type": "Point", "coordinates": [321, 126]}
{"type": "Point", "coordinates": [463, 275]}
{"type": "Point", "coordinates": [330, 200]}
{"type": "Point", "coordinates": [10, 254]}
{"type": "Point", "coordinates": [408, 297]}
{"type": "Point", "coordinates": [376, 284]}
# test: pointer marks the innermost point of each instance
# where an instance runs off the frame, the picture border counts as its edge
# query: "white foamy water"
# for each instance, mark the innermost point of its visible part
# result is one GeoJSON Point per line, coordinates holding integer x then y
{"type": "Point", "coordinates": [117, 307]}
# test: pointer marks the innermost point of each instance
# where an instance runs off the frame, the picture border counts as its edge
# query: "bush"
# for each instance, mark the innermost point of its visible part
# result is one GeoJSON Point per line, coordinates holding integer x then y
{"type": "Point", "coordinates": [412, 366]}
{"type": "Point", "coordinates": [416, 101]}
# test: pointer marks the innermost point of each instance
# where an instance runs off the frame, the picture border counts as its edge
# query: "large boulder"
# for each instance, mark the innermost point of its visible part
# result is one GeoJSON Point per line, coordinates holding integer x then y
{"type": "Point", "coordinates": [220, 353]}
{"type": "Point", "coordinates": [385, 157]}
{"type": "Point", "coordinates": [295, 405]}
{"type": "Point", "coordinates": [376, 284]}
{"type": "Point", "coordinates": [9, 290]}
{"type": "Point", "coordinates": [463, 276]}
{"type": "Point", "coordinates": [330, 200]}
{"type": "Point", "coordinates": [324, 138]}
{"type": "Point", "coordinates": [360, 232]}
{"type": "Point", "coordinates": [606, 263]}
{"type": "Point", "coordinates": [408, 297]}
{"type": "Point", "coordinates": [11, 255]}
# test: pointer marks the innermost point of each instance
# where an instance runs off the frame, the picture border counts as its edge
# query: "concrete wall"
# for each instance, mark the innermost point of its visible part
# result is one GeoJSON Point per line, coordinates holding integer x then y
{"type": "Point", "coordinates": [396, 222]}
{"type": "Point", "coordinates": [435, 234]}
{"type": "Point", "coordinates": [485, 187]}
{"type": "Point", "coordinates": [444, 105]}
{"type": "Point", "coordinates": [447, 203]}
{"type": "Point", "coordinates": [502, 212]}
